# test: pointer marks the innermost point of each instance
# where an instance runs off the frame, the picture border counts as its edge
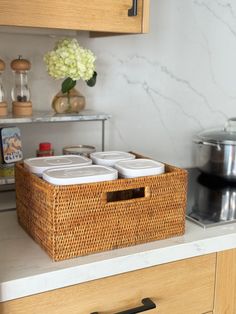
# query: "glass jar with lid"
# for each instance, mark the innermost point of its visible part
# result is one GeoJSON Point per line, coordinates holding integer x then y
{"type": "Point", "coordinates": [3, 102]}
{"type": "Point", "coordinates": [20, 94]}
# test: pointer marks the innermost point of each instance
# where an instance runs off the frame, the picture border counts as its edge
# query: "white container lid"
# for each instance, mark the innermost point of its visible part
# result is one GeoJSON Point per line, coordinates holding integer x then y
{"type": "Point", "coordinates": [109, 158]}
{"type": "Point", "coordinates": [39, 164]}
{"type": "Point", "coordinates": [139, 168]}
{"type": "Point", "coordinates": [79, 175]}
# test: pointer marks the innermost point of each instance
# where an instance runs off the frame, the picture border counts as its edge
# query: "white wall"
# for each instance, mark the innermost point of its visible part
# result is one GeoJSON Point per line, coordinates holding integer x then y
{"type": "Point", "coordinates": [161, 88]}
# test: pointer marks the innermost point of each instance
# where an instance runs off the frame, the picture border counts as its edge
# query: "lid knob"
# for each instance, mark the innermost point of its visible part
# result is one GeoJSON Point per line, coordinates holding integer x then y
{"type": "Point", "coordinates": [20, 64]}
{"type": "Point", "coordinates": [230, 125]}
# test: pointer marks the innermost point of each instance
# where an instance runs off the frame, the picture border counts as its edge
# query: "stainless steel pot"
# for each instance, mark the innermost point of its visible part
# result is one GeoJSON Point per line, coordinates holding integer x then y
{"type": "Point", "coordinates": [215, 200]}
{"type": "Point", "coordinates": [216, 151]}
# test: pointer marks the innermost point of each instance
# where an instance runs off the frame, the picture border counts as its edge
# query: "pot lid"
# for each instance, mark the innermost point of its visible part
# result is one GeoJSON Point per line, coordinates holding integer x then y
{"type": "Point", "coordinates": [226, 135]}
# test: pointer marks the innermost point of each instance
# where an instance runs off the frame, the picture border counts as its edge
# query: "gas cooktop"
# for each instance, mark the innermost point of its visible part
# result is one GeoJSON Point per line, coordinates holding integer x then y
{"type": "Point", "coordinates": [211, 200]}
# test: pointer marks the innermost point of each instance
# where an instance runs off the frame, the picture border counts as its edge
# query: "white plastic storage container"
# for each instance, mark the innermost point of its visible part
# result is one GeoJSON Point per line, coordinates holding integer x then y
{"type": "Point", "coordinates": [109, 158]}
{"type": "Point", "coordinates": [139, 168]}
{"type": "Point", "coordinates": [40, 164]}
{"type": "Point", "coordinates": [79, 175]}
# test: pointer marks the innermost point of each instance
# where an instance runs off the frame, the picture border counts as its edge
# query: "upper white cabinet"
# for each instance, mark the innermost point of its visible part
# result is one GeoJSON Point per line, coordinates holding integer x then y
{"type": "Point", "coordinates": [92, 15]}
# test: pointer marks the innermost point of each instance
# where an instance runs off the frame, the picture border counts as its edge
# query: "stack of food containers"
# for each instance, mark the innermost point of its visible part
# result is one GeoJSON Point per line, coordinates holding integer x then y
{"type": "Point", "coordinates": [75, 169]}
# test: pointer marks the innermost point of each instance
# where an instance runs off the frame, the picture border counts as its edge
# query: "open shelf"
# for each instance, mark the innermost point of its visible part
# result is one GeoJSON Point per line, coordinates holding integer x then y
{"type": "Point", "coordinates": [49, 116]}
{"type": "Point", "coordinates": [7, 187]}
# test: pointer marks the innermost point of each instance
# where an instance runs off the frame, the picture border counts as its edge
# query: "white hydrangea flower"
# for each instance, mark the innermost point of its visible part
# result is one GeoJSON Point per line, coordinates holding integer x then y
{"type": "Point", "coordinates": [68, 59]}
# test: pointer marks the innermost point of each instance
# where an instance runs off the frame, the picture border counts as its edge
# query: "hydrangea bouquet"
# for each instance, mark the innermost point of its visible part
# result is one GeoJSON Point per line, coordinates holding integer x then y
{"type": "Point", "coordinates": [70, 61]}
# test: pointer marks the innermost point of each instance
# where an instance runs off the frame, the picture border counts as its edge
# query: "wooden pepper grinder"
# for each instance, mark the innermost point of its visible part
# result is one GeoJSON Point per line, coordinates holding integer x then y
{"type": "Point", "coordinates": [3, 103]}
{"type": "Point", "coordinates": [20, 94]}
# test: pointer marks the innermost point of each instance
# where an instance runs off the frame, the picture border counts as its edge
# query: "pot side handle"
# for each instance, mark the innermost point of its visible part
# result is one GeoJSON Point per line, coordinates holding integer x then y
{"type": "Point", "coordinates": [200, 142]}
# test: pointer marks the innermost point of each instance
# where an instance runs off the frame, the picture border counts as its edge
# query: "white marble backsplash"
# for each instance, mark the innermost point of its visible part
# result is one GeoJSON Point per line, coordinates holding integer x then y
{"type": "Point", "coordinates": [161, 88]}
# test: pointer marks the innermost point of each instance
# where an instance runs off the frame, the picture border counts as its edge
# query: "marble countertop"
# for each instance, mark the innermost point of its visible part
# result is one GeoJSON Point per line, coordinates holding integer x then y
{"type": "Point", "coordinates": [25, 269]}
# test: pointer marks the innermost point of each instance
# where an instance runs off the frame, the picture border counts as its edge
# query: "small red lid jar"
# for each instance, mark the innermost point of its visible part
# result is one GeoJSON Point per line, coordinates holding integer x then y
{"type": "Point", "coordinates": [45, 149]}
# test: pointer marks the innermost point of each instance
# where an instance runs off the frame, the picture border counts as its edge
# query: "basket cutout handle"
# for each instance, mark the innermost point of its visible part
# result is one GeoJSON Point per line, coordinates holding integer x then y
{"type": "Point", "coordinates": [126, 195]}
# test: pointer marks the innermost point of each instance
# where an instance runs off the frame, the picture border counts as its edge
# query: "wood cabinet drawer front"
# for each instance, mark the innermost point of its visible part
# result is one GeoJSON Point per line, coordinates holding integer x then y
{"type": "Point", "coordinates": [94, 15]}
{"type": "Point", "coordinates": [185, 286]}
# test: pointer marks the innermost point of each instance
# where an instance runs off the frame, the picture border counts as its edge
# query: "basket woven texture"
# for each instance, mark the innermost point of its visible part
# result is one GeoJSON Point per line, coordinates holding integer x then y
{"type": "Point", "coordinates": [74, 220]}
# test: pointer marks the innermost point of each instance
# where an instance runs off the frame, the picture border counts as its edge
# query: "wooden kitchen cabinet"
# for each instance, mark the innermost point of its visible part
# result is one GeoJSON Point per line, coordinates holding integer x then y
{"type": "Point", "coordinates": [185, 286]}
{"type": "Point", "coordinates": [225, 292]}
{"type": "Point", "coordinates": [92, 15]}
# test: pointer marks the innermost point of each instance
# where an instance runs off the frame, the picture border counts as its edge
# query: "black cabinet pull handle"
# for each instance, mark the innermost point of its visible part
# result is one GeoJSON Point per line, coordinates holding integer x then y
{"type": "Point", "coordinates": [148, 304]}
{"type": "Point", "coordinates": [134, 10]}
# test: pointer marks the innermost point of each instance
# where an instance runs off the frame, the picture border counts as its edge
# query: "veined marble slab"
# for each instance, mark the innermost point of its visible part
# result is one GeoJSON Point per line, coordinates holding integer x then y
{"type": "Point", "coordinates": [25, 269]}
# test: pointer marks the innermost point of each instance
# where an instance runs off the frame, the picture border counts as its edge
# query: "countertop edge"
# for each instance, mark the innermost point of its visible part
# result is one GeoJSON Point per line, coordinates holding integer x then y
{"type": "Point", "coordinates": [22, 287]}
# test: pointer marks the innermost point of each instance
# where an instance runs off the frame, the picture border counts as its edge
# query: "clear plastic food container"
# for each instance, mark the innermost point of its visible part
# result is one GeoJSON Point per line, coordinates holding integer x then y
{"type": "Point", "coordinates": [139, 168]}
{"type": "Point", "coordinates": [109, 158]}
{"type": "Point", "coordinates": [39, 164]}
{"type": "Point", "coordinates": [83, 150]}
{"type": "Point", "coordinates": [79, 175]}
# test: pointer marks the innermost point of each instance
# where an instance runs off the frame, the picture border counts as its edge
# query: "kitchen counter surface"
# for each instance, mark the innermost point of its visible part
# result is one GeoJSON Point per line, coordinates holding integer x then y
{"type": "Point", "coordinates": [25, 269]}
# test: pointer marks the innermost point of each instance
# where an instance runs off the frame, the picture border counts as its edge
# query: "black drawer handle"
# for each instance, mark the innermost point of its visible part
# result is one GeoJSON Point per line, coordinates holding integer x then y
{"type": "Point", "coordinates": [148, 304]}
{"type": "Point", "coordinates": [133, 11]}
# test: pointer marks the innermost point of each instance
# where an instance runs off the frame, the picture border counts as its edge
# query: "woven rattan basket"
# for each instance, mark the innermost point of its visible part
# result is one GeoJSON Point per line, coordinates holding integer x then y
{"type": "Point", "coordinates": [75, 220]}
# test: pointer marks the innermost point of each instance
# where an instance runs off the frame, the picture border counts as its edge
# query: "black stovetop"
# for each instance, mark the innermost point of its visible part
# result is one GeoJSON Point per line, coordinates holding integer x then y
{"type": "Point", "coordinates": [211, 200]}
